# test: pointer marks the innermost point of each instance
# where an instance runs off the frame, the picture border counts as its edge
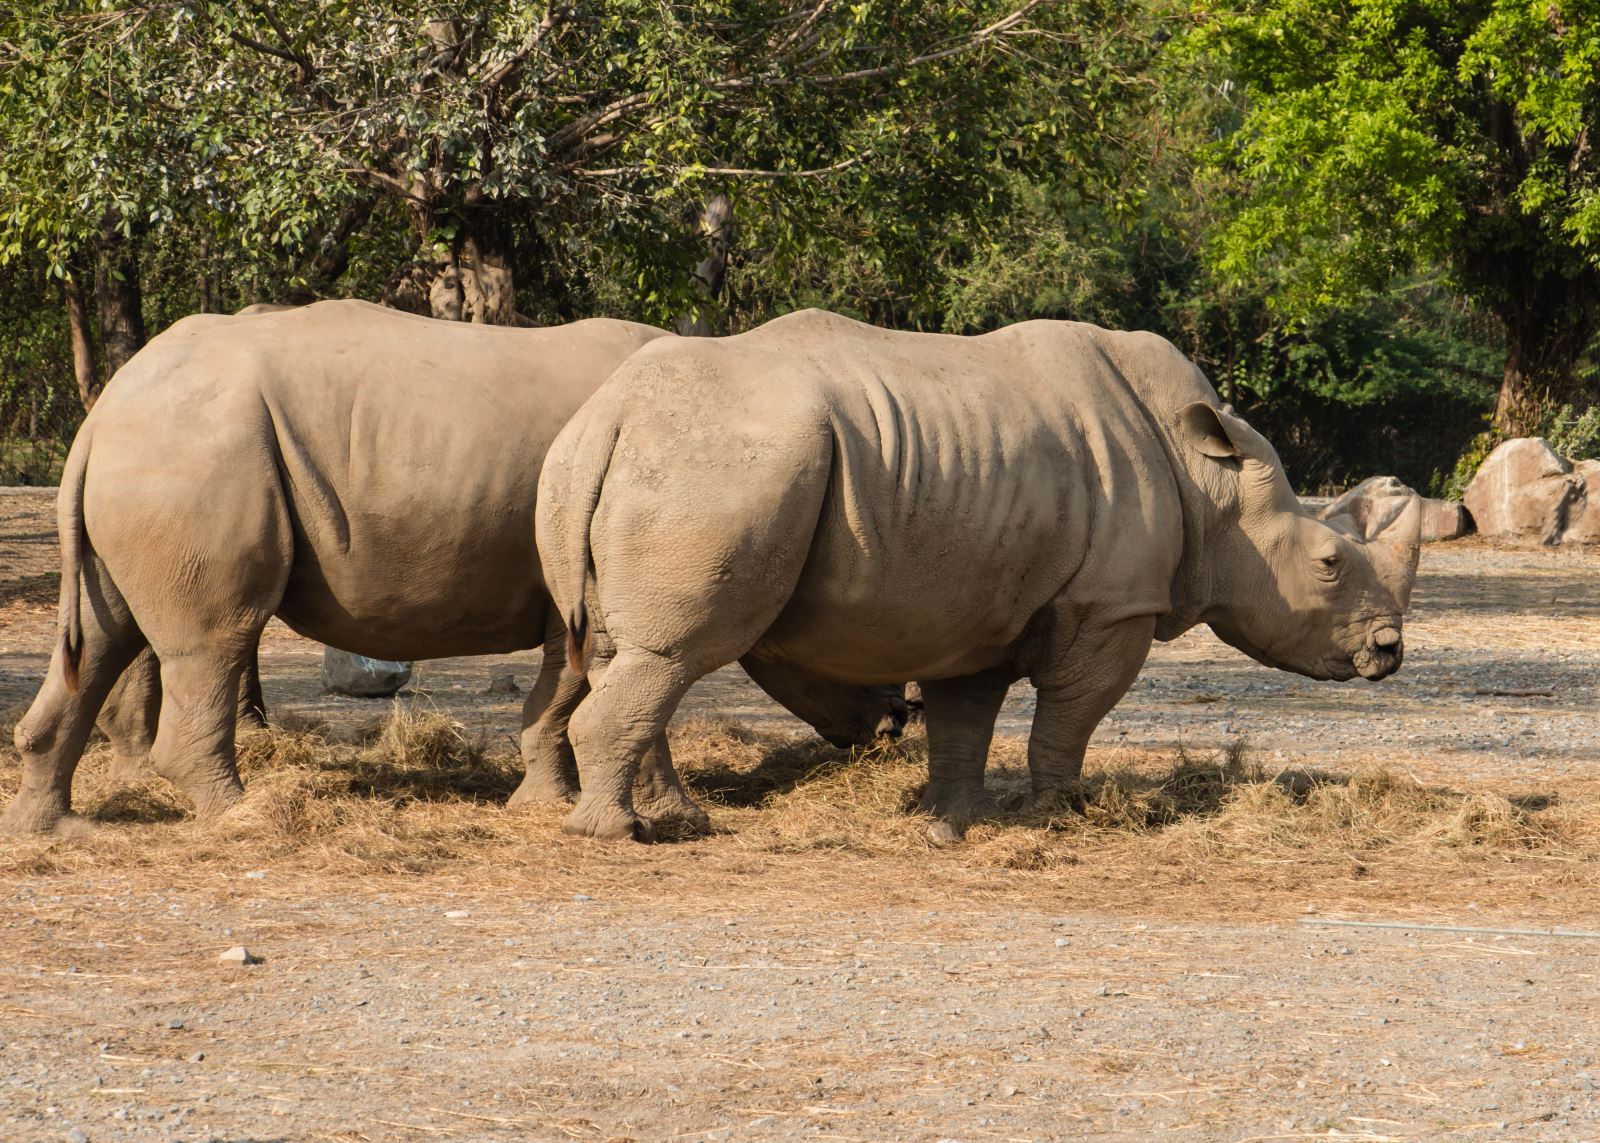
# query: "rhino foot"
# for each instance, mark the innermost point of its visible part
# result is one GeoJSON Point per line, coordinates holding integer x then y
{"type": "Point", "coordinates": [1068, 798]}
{"type": "Point", "coordinates": [607, 823]}
{"type": "Point", "coordinates": [541, 789]}
{"type": "Point", "coordinates": [215, 798]}
{"type": "Point", "coordinates": [961, 802]}
{"type": "Point", "coordinates": [29, 817]}
{"type": "Point", "coordinates": [676, 807]}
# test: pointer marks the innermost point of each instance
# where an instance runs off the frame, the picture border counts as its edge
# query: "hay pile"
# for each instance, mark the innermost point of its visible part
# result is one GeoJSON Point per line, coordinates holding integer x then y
{"type": "Point", "coordinates": [416, 792]}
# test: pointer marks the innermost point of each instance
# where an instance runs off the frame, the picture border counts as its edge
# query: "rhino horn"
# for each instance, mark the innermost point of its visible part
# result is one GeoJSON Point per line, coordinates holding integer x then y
{"type": "Point", "coordinates": [1394, 537]}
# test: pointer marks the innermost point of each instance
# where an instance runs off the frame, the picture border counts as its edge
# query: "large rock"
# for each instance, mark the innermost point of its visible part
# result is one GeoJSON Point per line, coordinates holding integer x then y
{"type": "Point", "coordinates": [348, 674]}
{"type": "Point", "coordinates": [1378, 499]}
{"type": "Point", "coordinates": [1584, 527]}
{"type": "Point", "coordinates": [1526, 492]}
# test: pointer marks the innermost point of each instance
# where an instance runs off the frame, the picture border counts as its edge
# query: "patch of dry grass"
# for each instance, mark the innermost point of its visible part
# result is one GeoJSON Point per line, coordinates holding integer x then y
{"type": "Point", "coordinates": [417, 793]}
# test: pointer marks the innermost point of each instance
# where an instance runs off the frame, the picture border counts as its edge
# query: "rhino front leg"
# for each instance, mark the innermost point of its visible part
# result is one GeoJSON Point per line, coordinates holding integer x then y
{"type": "Point", "coordinates": [960, 714]}
{"type": "Point", "coordinates": [1075, 694]}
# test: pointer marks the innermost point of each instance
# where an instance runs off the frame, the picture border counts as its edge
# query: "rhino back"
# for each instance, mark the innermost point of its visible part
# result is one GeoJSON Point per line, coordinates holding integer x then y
{"type": "Point", "coordinates": [408, 451]}
{"type": "Point", "coordinates": [974, 480]}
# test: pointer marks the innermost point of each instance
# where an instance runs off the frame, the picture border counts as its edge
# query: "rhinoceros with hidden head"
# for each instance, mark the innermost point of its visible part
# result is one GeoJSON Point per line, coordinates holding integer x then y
{"type": "Point", "coordinates": [366, 475]}
{"type": "Point", "coordinates": [1040, 502]}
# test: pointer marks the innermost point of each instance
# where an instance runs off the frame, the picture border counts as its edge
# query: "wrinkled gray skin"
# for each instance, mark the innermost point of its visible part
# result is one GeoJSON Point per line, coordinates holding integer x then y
{"type": "Point", "coordinates": [366, 475]}
{"type": "Point", "coordinates": [1040, 502]}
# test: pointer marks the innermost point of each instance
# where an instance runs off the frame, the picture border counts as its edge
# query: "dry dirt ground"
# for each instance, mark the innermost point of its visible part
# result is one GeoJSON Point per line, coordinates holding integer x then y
{"type": "Point", "coordinates": [438, 967]}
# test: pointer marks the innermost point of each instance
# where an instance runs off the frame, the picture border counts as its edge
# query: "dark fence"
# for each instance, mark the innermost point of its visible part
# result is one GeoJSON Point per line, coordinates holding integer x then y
{"type": "Point", "coordinates": [37, 423]}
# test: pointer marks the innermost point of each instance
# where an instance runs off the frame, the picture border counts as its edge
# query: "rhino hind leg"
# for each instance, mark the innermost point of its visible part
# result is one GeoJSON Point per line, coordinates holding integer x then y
{"type": "Point", "coordinates": [131, 713]}
{"type": "Point", "coordinates": [659, 795]}
{"type": "Point", "coordinates": [129, 717]}
{"type": "Point", "coordinates": [625, 716]}
{"type": "Point", "coordinates": [194, 747]}
{"type": "Point", "coordinates": [52, 734]}
{"type": "Point", "coordinates": [550, 769]}
{"type": "Point", "coordinates": [960, 716]}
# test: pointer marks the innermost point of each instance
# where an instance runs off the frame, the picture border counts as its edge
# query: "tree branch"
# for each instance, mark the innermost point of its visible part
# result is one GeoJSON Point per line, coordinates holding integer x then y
{"type": "Point", "coordinates": [732, 172]}
{"type": "Point", "coordinates": [503, 70]}
{"type": "Point", "coordinates": [255, 45]}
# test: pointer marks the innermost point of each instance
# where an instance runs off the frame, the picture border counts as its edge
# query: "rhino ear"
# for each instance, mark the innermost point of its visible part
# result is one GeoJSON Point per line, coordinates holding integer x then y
{"type": "Point", "coordinates": [1203, 427]}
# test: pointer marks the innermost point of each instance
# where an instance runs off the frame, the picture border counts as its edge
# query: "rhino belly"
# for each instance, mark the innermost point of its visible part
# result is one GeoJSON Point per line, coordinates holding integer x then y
{"type": "Point", "coordinates": [420, 584]}
{"type": "Point", "coordinates": [843, 630]}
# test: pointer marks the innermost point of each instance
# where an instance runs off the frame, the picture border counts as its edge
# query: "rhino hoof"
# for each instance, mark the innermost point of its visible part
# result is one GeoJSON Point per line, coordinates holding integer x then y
{"type": "Point", "coordinates": [534, 792]}
{"type": "Point", "coordinates": [29, 817]}
{"type": "Point", "coordinates": [610, 824]}
{"type": "Point", "coordinates": [942, 833]}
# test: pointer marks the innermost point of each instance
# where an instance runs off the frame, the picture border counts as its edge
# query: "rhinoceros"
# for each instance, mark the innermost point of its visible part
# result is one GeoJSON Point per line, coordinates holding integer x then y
{"type": "Point", "coordinates": [1040, 502]}
{"type": "Point", "coordinates": [366, 475]}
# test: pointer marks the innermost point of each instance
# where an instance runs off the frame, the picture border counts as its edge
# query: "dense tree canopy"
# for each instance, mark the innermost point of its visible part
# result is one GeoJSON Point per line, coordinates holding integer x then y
{"type": "Point", "coordinates": [1378, 137]}
{"type": "Point", "coordinates": [1321, 207]}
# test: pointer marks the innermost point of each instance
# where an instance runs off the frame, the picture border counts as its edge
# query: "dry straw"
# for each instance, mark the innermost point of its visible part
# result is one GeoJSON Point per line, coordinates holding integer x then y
{"type": "Point", "coordinates": [417, 792]}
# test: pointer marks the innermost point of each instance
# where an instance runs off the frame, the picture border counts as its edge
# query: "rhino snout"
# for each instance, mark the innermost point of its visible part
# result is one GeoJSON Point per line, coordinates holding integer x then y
{"type": "Point", "coordinates": [1381, 656]}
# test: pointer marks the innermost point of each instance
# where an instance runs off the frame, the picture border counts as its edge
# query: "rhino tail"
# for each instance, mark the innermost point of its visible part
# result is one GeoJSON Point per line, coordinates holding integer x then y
{"type": "Point", "coordinates": [577, 638]}
{"type": "Point", "coordinates": [69, 527]}
{"type": "Point", "coordinates": [590, 462]}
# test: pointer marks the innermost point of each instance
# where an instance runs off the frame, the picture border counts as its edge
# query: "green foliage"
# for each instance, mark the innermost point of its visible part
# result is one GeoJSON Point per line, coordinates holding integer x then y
{"type": "Point", "coordinates": [1573, 434]}
{"type": "Point", "coordinates": [580, 131]}
{"type": "Point", "coordinates": [1452, 485]}
{"type": "Point", "coordinates": [1377, 138]}
{"type": "Point", "coordinates": [1291, 192]}
{"type": "Point", "coordinates": [39, 409]}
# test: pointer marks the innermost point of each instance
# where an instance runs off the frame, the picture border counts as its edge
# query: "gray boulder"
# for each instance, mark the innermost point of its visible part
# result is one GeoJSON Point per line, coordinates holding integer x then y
{"type": "Point", "coordinates": [344, 673]}
{"type": "Point", "coordinates": [1526, 492]}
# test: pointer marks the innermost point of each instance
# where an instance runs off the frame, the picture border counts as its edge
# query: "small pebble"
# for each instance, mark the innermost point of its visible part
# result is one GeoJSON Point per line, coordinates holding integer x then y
{"type": "Point", "coordinates": [238, 954]}
{"type": "Point", "coordinates": [457, 914]}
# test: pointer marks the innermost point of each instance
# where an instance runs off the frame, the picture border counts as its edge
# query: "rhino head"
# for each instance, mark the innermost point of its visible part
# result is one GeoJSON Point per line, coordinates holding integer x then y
{"type": "Point", "coordinates": [1320, 598]}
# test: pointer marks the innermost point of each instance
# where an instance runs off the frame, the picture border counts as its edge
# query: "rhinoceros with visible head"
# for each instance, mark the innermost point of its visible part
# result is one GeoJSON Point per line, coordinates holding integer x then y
{"type": "Point", "coordinates": [366, 475]}
{"type": "Point", "coordinates": [1039, 502]}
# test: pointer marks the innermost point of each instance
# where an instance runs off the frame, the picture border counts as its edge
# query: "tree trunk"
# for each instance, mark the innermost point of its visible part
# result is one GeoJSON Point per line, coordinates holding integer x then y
{"type": "Point", "coordinates": [1545, 341]}
{"type": "Point", "coordinates": [471, 280]}
{"type": "Point", "coordinates": [1515, 415]}
{"type": "Point", "coordinates": [83, 363]}
{"type": "Point", "coordinates": [474, 282]}
{"type": "Point", "coordinates": [119, 304]}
